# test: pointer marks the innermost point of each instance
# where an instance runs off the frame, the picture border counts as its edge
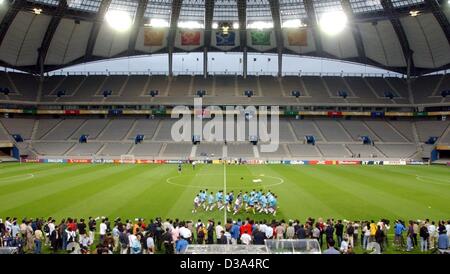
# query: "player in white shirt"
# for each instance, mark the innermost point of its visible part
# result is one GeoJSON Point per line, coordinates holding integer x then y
{"type": "Point", "coordinates": [196, 204]}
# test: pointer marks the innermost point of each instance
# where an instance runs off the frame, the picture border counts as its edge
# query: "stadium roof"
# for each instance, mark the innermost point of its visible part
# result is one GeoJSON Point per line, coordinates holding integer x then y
{"type": "Point", "coordinates": [45, 35]}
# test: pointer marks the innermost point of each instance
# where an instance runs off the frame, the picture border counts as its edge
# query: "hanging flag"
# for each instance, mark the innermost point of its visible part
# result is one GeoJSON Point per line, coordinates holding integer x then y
{"type": "Point", "coordinates": [223, 39]}
{"type": "Point", "coordinates": [190, 38]}
{"type": "Point", "coordinates": [260, 38]}
{"type": "Point", "coordinates": [153, 37]}
{"type": "Point", "coordinates": [298, 37]}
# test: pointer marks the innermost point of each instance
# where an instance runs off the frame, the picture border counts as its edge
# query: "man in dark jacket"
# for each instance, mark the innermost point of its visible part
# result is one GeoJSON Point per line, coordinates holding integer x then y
{"type": "Point", "coordinates": [259, 237]}
{"type": "Point", "coordinates": [301, 233]}
{"type": "Point", "coordinates": [339, 231]}
{"type": "Point", "coordinates": [210, 228]}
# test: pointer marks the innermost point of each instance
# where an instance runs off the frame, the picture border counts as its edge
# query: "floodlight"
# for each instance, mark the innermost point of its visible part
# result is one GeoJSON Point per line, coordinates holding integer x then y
{"type": "Point", "coordinates": [215, 25]}
{"type": "Point", "coordinates": [119, 20]}
{"type": "Point", "coordinates": [236, 25]}
{"type": "Point", "coordinates": [1, 1]}
{"type": "Point", "coordinates": [294, 23]}
{"type": "Point", "coordinates": [414, 13]}
{"type": "Point", "coordinates": [333, 22]}
{"type": "Point", "coordinates": [158, 23]}
{"type": "Point", "coordinates": [260, 25]}
{"type": "Point", "coordinates": [36, 10]}
{"type": "Point", "coordinates": [190, 25]}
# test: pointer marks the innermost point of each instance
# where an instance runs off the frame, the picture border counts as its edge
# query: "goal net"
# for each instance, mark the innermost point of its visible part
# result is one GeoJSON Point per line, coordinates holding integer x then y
{"type": "Point", "coordinates": [127, 159]}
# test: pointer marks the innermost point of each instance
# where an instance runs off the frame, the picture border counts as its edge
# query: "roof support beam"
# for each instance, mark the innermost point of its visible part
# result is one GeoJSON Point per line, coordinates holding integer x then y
{"type": "Point", "coordinates": [355, 30]}
{"type": "Point", "coordinates": [51, 29]}
{"type": "Point", "coordinates": [176, 8]}
{"type": "Point", "coordinates": [275, 10]}
{"type": "Point", "coordinates": [436, 9]}
{"type": "Point", "coordinates": [312, 18]}
{"type": "Point", "coordinates": [242, 15]}
{"type": "Point", "coordinates": [393, 16]}
{"type": "Point", "coordinates": [138, 22]}
{"type": "Point", "coordinates": [104, 6]}
{"type": "Point", "coordinates": [209, 14]}
{"type": "Point", "coordinates": [9, 17]}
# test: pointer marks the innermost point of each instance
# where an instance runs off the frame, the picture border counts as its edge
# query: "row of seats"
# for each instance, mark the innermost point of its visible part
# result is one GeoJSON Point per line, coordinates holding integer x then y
{"type": "Point", "coordinates": [212, 151]}
{"type": "Point", "coordinates": [290, 130]}
{"type": "Point", "coordinates": [224, 89]}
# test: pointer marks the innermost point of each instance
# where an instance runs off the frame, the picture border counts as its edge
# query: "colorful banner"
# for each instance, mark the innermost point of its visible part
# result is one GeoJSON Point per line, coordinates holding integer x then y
{"type": "Point", "coordinates": [72, 112]}
{"type": "Point", "coordinates": [190, 38]}
{"type": "Point", "coordinates": [297, 37]}
{"type": "Point", "coordinates": [153, 37]}
{"type": "Point", "coordinates": [260, 38]}
{"type": "Point", "coordinates": [223, 39]}
{"type": "Point", "coordinates": [79, 161]}
{"type": "Point", "coordinates": [394, 163]}
{"type": "Point", "coordinates": [334, 114]}
{"type": "Point", "coordinates": [349, 162]}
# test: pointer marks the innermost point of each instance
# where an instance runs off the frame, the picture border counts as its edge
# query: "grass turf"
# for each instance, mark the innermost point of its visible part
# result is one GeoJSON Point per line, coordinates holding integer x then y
{"type": "Point", "coordinates": [147, 191]}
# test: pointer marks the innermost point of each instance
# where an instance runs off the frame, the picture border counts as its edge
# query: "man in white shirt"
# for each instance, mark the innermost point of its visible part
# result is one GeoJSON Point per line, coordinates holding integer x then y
{"type": "Point", "coordinates": [269, 232]}
{"type": "Point", "coordinates": [344, 246]}
{"type": "Point", "coordinates": [246, 239]}
{"type": "Point", "coordinates": [185, 233]}
{"type": "Point", "coordinates": [103, 229]}
{"type": "Point", "coordinates": [432, 233]}
{"type": "Point", "coordinates": [219, 229]}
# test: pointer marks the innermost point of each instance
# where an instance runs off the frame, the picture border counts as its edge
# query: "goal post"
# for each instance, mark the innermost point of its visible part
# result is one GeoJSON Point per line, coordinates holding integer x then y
{"type": "Point", "coordinates": [127, 159]}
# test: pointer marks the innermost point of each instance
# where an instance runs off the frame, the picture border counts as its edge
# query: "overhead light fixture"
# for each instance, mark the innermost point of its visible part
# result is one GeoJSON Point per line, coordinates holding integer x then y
{"type": "Point", "coordinates": [236, 25]}
{"type": "Point", "coordinates": [1, 1]}
{"type": "Point", "coordinates": [294, 23]}
{"type": "Point", "coordinates": [158, 23]}
{"type": "Point", "coordinates": [119, 20]}
{"type": "Point", "coordinates": [333, 22]}
{"type": "Point", "coordinates": [190, 25]}
{"type": "Point", "coordinates": [414, 13]}
{"type": "Point", "coordinates": [36, 10]}
{"type": "Point", "coordinates": [215, 25]}
{"type": "Point", "coordinates": [260, 25]}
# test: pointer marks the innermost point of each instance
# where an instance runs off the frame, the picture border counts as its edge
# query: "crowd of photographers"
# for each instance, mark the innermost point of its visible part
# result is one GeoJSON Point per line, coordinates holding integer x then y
{"type": "Point", "coordinates": [101, 236]}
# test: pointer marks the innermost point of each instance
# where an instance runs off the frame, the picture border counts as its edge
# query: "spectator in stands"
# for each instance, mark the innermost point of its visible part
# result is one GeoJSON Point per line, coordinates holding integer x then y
{"type": "Point", "coordinates": [331, 249]}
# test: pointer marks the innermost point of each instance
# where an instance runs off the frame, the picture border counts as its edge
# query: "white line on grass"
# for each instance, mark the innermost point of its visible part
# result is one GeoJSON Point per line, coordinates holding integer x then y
{"type": "Point", "coordinates": [225, 192]}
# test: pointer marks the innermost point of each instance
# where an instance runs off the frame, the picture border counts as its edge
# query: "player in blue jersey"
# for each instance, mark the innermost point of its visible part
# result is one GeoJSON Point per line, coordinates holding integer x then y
{"type": "Point", "coordinates": [211, 201]}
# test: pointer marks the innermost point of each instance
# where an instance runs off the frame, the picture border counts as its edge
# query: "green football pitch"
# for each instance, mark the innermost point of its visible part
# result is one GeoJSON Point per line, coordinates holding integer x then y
{"type": "Point", "coordinates": [149, 191]}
